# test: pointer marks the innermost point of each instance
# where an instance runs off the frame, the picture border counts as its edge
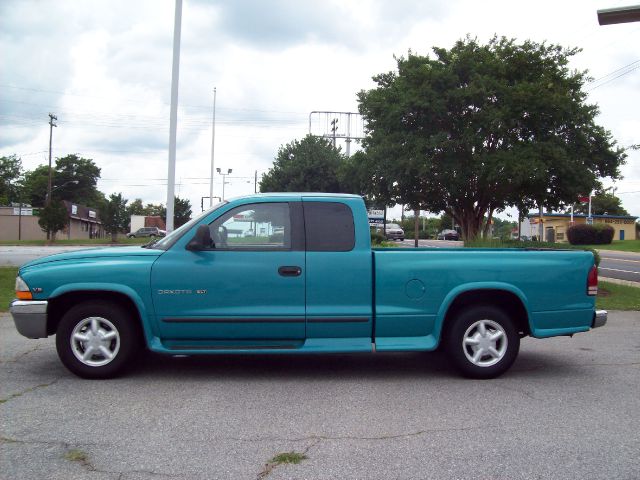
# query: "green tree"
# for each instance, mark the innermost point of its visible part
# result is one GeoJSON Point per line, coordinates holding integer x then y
{"type": "Point", "coordinates": [308, 165]}
{"type": "Point", "coordinates": [479, 128]}
{"type": "Point", "coordinates": [53, 218]}
{"type": "Point", "coordinates": [35, 185]}
{"type": "Point", "coordinates": [602, 203]}
{"type": "Point", "coordinates": [10, 175]}
{"type": "Point", "coordinates": [155, 210]}
{"type": "Point", "coordinates": [503, 228]}
{"type": "Point", "coordinates": [67, 170]}
{"type": "Point", "coordinates": [113, 214]}
{"type": "Point", "coordinates": [136, 207]}
{"type": "Point", "coordinates": [73, 168]}
{"type": "Point", "coordinates": [181, 211]}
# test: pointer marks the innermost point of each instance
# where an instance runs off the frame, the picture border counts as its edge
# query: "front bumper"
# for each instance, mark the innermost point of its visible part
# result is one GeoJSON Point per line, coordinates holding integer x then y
{"type": "Point", "coordinates": [599, 318]}
{"type": "Point", "coordinates": [30, 317]}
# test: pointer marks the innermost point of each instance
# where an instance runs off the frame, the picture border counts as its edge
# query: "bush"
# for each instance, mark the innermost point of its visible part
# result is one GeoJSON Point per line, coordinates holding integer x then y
{"type": "Point", "coordinates": [590, 234]}
{"type": "Point", "coordinates": [377, 237]}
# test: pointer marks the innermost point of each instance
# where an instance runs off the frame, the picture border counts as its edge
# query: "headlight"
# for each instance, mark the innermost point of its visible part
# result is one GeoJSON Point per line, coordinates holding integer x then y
{"type": "Point", "coordinates": [22, 290]}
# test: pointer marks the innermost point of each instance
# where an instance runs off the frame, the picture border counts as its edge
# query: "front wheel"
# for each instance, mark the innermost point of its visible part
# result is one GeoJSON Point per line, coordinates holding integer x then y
{"type": "Point", "coordinates": [97, 339]}
{"type": "Point", "coordinates": [482, 342]}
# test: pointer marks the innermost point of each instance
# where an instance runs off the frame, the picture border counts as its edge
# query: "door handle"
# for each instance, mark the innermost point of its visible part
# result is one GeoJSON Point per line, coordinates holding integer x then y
{"type": "Point", "coordinates": [291, 271]}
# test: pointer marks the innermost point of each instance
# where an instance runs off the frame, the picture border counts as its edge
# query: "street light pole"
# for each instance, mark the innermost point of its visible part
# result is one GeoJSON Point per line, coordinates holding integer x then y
{"type": "Point", "coordinates": [173, 116]}
{"type": "Point", "coordinates": [224, 176]}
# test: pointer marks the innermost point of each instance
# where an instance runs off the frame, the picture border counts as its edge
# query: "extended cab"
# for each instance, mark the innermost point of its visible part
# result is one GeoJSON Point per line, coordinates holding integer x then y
{"type": "Point", "coordinates": [295, 273]}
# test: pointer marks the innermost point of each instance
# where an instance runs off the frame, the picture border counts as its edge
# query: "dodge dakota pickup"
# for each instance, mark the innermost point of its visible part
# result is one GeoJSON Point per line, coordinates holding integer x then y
{"type": "Point", "coordinates": [295, 273]}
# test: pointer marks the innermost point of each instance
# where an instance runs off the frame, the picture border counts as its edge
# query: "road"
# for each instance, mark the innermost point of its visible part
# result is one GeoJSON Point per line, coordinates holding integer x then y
{"type": "Point", "coordinates": [17, 255]}
{"type": "Point", "coordinates": [618, 265]}
{"type": "Point", "coordinates": [568, 409]}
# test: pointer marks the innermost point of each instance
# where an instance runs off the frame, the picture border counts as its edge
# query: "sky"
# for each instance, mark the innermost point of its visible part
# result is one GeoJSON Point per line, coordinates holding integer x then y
{"type": "Point", "coordinates": [104, 69]}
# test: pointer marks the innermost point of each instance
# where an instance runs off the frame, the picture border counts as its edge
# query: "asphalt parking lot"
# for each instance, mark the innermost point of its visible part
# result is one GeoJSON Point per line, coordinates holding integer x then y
{"type": "Point", "coordinates": [568, 409]}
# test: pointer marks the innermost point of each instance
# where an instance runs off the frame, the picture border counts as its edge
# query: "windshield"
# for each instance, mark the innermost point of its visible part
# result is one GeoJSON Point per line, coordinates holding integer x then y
{"type": "Point", "coordinates": [173, 237]}
{"type": "Point", "coordinates": [393, 225]}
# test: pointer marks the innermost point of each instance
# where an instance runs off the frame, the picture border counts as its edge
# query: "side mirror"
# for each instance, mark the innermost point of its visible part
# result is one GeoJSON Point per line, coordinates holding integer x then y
{"type": "Point", "coordinates": [201, 240]}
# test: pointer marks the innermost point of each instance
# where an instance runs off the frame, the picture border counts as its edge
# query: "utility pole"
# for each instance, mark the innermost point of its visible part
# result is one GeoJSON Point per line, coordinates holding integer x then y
{"type": "Point", "coordinates": [52, 119]}
{"type": "Point", "coordinates": [173, 116]}
{"type": "Point", "coordinates": [348, 137]}
{"type": "Point", "coordinates": [255, 183]}
{"type": "Point", "coordinates": [213, 143]}
{"type": "Point", "coordinates": [334, 129]}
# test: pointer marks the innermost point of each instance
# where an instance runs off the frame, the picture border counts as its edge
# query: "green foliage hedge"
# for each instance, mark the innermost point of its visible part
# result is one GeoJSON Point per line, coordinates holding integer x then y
{"type": "Point", "coordinates": [590, 234]}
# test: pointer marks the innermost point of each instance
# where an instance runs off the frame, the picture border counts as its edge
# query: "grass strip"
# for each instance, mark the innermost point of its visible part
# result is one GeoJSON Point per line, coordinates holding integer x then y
{"type": "Point", "coordinates": [7, 286]}
{"type": "Point", "coordinates": [612, 296]}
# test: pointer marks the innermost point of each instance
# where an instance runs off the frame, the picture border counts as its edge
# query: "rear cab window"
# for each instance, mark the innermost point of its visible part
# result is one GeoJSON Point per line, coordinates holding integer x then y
{"type": "Point", "coordinates": [329, 227]}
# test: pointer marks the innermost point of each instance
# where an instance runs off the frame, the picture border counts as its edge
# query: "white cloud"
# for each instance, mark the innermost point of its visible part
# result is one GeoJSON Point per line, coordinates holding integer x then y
{"type": "Point", "coordinates": [105, 69]}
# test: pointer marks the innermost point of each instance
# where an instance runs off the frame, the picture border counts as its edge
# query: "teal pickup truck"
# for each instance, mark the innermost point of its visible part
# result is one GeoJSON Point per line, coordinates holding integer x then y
{"type": "Point", "coordinates": [295, 273]}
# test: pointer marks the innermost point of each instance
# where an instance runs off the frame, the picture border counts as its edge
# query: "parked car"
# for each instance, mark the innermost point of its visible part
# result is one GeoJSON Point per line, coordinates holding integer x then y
{"type": "Point", "coordinates": [147, 232]}
{"type": "Point", "coordinates": [317, 288]}
{"type": "Point", "coordinates": [448, 235]}
{"type": "Point", "coordinates": [394, 232]}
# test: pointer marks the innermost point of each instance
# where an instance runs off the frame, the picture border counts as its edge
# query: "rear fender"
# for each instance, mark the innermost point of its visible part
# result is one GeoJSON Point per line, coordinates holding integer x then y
{"type": "Point", "coordinates": [470, 287]}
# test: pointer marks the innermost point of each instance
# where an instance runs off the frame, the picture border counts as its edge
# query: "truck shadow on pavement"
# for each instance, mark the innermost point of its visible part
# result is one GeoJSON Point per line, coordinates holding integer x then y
{"type": "Point", "coordinates": [412, 365]}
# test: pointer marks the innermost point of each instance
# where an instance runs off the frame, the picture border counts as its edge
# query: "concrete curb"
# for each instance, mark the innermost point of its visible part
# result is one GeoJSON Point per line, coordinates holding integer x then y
{"type": "Point", "coordinates": [628, 283]}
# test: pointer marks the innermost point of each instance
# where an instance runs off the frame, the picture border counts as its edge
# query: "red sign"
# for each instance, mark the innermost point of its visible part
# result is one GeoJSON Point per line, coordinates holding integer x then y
{"type": "Point", "coordinates": [583, 199]}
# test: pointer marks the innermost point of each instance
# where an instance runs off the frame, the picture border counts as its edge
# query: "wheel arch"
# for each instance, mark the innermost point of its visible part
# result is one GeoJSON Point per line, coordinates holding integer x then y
{"type": "Point", "coordinates": [506, 297]}
{"type": "Point", "coordinates": [66, 298]}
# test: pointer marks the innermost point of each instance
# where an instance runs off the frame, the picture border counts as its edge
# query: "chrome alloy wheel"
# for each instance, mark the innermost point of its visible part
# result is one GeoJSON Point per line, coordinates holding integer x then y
{"type": "Point", "coordinates": [485, 343]}
{"type": "Point", "coordinates": [95, 341]}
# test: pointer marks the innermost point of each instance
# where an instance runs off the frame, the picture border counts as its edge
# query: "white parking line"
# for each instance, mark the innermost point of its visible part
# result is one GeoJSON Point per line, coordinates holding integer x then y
{"type": "Point", "coordinates": [617, 259]}
{"type": "Point", "coordinates": [618, 270]}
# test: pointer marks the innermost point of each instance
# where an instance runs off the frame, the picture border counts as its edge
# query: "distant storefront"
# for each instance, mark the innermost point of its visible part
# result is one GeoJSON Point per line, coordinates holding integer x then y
{"type": "Point", "coordinates": [555, 225]}
{"type": "Point", "coordinates": [22, 224]}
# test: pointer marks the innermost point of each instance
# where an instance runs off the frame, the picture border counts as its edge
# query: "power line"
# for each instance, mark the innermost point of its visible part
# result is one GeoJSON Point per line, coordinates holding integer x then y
{"type": "Point", "coordinates": [614, 71]}
{"type": "Point", "coordinates": [129, 100]}
{"type": "Point", "coordinates": [614, 78]}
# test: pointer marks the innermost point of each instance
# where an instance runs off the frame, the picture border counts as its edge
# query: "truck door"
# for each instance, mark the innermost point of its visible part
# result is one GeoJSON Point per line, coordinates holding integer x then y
{"type": "Point", "coordinates": [339, 270]}
{"type": "Point", "coordinates": [250, 286]}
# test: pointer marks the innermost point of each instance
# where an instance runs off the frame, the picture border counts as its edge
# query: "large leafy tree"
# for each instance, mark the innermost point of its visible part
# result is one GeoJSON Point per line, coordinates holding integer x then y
{"type": "Point", "coordinates": [478, 128]}
{"type": "Point", "coordinates": [73, 168]}
{"type": "Point", "coordinates": [73, 178]}
{"type": "Point", "coordinates": [113, 214]}
{"type": "Point", "coordinates": [10, 174]}
{"type": "Point", "coordinates": [307, 165]}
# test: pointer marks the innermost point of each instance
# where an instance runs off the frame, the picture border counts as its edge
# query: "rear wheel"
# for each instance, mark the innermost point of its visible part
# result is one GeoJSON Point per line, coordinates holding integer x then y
{"type": "Point", "coordinates": [97, 339]}
{"type": "Point", "coordinates": [482, 342]}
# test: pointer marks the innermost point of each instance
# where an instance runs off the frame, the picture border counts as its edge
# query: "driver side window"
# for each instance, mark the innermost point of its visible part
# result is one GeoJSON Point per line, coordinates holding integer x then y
{"type": "Point", "coordinates": [258, 226]}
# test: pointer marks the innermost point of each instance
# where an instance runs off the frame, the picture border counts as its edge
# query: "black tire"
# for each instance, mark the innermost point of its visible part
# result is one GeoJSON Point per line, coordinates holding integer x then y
{"type": "Point", "coordinates": [467, 324]}
{"type": "Point", "coordinates": [132, 236]}
{"type": "Point", "coordinates": [124, 346]}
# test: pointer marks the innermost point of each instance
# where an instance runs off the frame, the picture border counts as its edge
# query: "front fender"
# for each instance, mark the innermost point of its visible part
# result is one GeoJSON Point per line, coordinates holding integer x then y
{"type": "Point", "coordinates": [110, 287]}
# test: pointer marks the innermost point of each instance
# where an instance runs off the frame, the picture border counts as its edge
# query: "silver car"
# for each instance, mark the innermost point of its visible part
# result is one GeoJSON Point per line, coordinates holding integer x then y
{"type": "Point", "coordinates": [147, 232]}
{"type": "Point", "coordinates": [394, 232]}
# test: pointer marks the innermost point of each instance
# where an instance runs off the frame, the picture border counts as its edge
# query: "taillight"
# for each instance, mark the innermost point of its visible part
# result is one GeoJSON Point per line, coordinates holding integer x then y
{"type": "Point", "coordinates": [592, 281]}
